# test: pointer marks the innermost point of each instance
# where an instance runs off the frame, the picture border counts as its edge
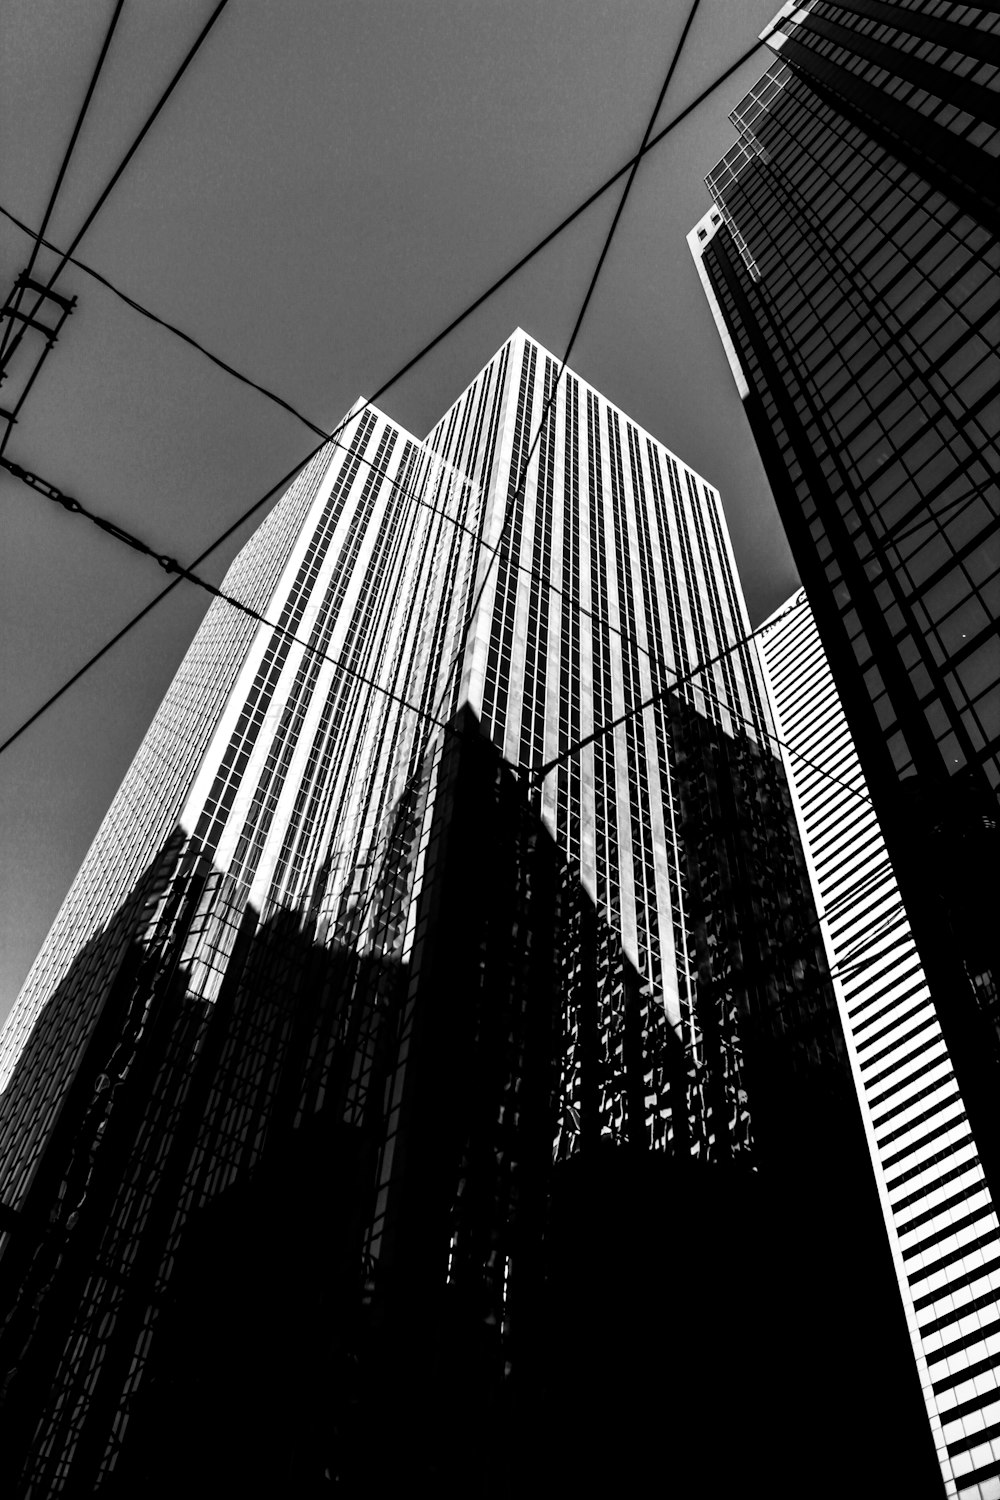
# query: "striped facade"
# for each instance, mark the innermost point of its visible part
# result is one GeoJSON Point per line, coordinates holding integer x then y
{"type": "Point", "coordinates": [940, 1217]}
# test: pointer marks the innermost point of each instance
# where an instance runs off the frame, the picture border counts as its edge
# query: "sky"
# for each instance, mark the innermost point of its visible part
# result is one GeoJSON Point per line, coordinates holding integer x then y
{"type": "Point", "coordinates": [329, 185]}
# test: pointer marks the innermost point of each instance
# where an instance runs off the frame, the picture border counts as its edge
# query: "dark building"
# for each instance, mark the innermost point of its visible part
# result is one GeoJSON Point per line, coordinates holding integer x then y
{"type": "Point", "coordinates": [851, 261]}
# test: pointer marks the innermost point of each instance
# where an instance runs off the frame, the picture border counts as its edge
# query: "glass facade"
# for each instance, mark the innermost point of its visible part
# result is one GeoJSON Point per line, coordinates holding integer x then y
{"type": "Point", "coordinates": [373, 964]}
{"type": "Point", "coordinates": [939, 1213]}
{"type": "Point", "coordinates": [851, 265]}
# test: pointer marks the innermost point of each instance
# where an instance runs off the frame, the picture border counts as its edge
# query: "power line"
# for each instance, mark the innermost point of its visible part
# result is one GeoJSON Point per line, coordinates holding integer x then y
{"type": "Point", "coordinates": [176, 567]}
{"type": "Point", "coordinates": [511, 505]}
{"type": "Point", "coordinates": [571, 600]}
{"type": "Point", "coordinates": [575, 214]}
{"type": "Point", "coordinates": [147, 608]}
{"type": "Point", "coordinates": [66, 257]}
{"type": "Point", "coordinates": [171, 565]}
{"type": "Point", "coordinates": [78, 125]}
{"type": "Point", "coordinates": [776, 739]}
{"type": "Point", "coordinates": [153, 317]}
{"type": "Point", "coordinates": [661, 694]}
{"type": "Point", "coordinates": [879, 932]}
{"type": "Point", "coordinates": [864, 885]}
{"type": "Point", "coordinates": [891, 538]}
{"type": "Point", "coordinates": [852, 962]}
{"type": "Point", "coordinates": [122, 165]}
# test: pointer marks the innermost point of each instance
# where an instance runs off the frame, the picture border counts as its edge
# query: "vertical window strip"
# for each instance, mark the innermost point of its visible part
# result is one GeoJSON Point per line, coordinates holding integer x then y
{"type": "Point", "coordinates": [605, 788]}
{"type": "Point", "coordinates": [244, 737]}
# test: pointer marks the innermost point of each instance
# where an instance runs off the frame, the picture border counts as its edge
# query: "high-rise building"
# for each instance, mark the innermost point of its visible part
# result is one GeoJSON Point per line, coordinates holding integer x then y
{"type": "Point", "coordinates": [281, 758]}
{"type": "Point", "coordinates": [851, 263]}
{"type": "Point", "coordinates": [439, 920]}
{"type": "Point", "coordinates": [940, 1217]}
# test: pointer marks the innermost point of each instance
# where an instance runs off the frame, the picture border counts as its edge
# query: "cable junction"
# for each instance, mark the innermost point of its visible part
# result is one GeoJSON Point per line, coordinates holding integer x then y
{"type": "Point", "coordinates": [25, 280]}
{"type": "Point", "coordinates": [66, 257]}
{"type": "Point", "coordinates": [123, 164]}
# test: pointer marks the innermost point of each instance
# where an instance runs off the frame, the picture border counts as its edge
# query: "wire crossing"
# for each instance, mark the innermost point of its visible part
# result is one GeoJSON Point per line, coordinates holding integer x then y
{"type": "Point", "coordinates": [109, 186]}
{"type": "Point", "coordinates": [515, 499]}
{"type": "Point", "coordinates": [67, 257]}
{"type": "Point", "coordinates": [64, 164]}
{"type": "Point", "coordinates": [542, 244]}
{"type": "Point", "coordinates": [171, 565]}
{"type": "Point", "coordinates": [853, 963]}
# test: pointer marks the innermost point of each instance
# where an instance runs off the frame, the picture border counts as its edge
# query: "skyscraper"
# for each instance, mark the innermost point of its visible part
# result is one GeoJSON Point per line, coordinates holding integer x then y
{"type": "Point", "coordinates": [420, 904]}
{"type": "Point", "coordinates": [940, 1217]}
{"type": "Point", "coordinates": [281, 760]}
{"type": "Point", "coordinates": [850, 261]}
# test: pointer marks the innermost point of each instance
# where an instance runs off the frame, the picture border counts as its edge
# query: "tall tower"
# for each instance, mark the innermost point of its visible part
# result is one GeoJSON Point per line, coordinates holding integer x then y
{"type": "Point", "coordinates": [850, 262]}
{"type": "Point", "coordinates": [415, 576]}
{"type": "Point", "coordinates": [940, 1217]}
{"type": "Point", "coordinates": [454, 883]}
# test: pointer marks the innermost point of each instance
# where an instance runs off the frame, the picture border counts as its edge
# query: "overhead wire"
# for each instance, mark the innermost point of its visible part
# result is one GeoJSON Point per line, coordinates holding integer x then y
{"type": "Point", "coordinates": [852, 963]}
{"type": "Point", "coordinates": [877, 934]}
{"type": "Point", "coordinates": [891, 538]}
{"type": "Point", "coordinates": [64, 164]}
{"type": "Point", "coordinates": [422, 713]}
{"type": "Point", "coordinates": [769, 734]}
{"type": "Point", "coordinates": [165, 323]}
{"type": "Point", "coordinates": [573, 601]}
{"type": "Point", "coordinates": [141, 614]}
{"type": "Point", "coordinates": [510, 507]}
{"type": "Point", "coordinates": [187, 573]}
{"type": "Point", "coordinates": [112, 528]}
{"type": "Point", "coordinates": [540, 773]}
{"type": "Point", "coordinates": [540, 245]}
{"type": "Point", "coordinates": [171, 565]}
{"type": "Point", "coordinates": [137, 141]}
{"type": "Point", "coordinates": [66, 256]}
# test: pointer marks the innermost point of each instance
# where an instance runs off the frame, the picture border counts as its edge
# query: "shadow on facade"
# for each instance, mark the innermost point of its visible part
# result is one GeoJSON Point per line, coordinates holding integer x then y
{"type": "Point", "coordinates": [430, 1194]}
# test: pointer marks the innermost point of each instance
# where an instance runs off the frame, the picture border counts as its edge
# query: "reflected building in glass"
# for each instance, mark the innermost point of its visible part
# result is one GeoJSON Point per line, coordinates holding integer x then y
{"type": "Point", "coordinates": [851, 261]}
{"type": "Point", "coordinates": [440, 922]}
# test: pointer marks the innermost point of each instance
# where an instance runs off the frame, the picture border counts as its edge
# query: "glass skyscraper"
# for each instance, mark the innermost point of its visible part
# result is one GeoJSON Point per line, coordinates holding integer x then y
{"type": "Point", "coordinates": [940, 1216]}
{"type": "Point", "coordinates": [424, 908]}
{"type": "Point", "coordinates": [281, 759]}
{"type": "Point", "coordinates": [851, 264]}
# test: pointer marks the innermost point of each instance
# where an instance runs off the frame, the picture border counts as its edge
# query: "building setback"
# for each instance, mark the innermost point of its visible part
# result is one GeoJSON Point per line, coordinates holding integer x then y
{"type": "Point", "coordinates": [940, 1218]}
{"type": "Point", "coordinates": [393, 967]}
{"type": "Point", "coordinates": [851, 264]}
